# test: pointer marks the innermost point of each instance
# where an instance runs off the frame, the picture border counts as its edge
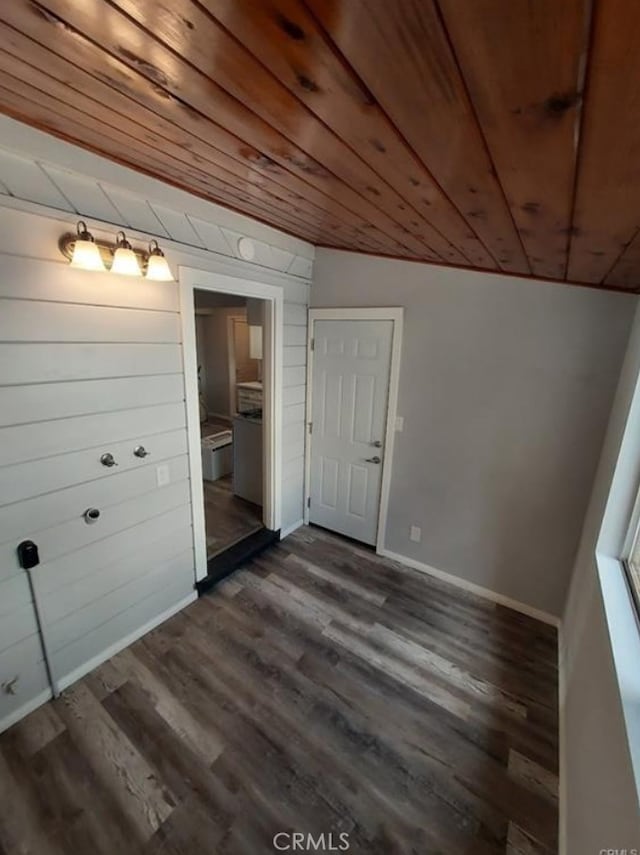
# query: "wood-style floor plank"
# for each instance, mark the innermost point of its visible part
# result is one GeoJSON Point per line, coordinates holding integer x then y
{"type": "Point", "coordinates": [320, 689]}
{"type": "Point", "coordinates": [228, 518]}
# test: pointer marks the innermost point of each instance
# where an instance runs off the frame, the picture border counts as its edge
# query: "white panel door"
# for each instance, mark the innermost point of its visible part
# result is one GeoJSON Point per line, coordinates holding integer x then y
{"type": "Point", "coordinates": [351, 366]}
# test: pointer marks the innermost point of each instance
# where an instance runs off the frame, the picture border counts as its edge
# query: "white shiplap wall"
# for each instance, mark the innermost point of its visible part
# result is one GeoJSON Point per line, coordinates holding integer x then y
{"type": "Point", "coordinates": [91, 363]}
{"type": "Point", "coordinates": [88, 364]}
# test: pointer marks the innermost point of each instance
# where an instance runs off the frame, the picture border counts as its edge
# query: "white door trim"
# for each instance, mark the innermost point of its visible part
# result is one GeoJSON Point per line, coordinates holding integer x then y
{"type": "Point", "coordinates": [189, 279]}
{"type": "Point", "coordinates": [396, 315]}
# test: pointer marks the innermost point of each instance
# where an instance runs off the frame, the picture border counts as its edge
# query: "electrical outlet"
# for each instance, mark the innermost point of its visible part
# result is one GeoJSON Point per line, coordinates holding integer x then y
{"type": "Point", "coordinates": [415, 534]}
{"type": "Point", "coordinates": [162, 475]}
{"type": "Point", "coordinates": [399, 424]}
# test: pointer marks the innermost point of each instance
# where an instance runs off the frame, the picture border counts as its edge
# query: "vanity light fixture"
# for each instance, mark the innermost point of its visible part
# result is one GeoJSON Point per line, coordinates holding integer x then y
{"type": "Point", "coordinates": [157, 267]}
{"type": "Point", "coordinates": [124, 258]}
{"type": "Point", "coordinates": [86, 253]}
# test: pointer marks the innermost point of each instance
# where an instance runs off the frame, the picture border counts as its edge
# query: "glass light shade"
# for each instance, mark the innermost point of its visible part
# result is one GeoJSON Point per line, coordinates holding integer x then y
{"type": "Point", "coordinates": [86, 256]}
{"type": "Point", "coordinates": [125, 262]}
{"type": "Point", "coordinates": [255, 342]}
{"type": "Point", "coordinates": [158, 269]}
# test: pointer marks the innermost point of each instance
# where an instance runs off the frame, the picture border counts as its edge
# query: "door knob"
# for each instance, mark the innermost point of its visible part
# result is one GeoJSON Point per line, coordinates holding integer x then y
{"type": "Point", "coordinates": [375, 459]}
{"type": "Point", "coordinates": [141, 451]}
{"type": "Point", "coordinates": [376, 443]}
{"type": "Point", "coordinates": [108, 459]}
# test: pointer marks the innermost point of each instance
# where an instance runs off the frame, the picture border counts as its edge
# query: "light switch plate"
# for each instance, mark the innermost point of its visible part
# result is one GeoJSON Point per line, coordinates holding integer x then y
{"type": "Point", "coordinates": [399, 424]}
{"type": "Point", "coordinates": [162, 475]}
{"type": "Point", "coordinates": [415, 534]}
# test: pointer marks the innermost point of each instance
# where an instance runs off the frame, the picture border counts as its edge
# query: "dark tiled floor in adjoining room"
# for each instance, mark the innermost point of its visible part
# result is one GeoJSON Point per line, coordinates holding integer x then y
{"type": "Point", "coordinates": [320, 689]}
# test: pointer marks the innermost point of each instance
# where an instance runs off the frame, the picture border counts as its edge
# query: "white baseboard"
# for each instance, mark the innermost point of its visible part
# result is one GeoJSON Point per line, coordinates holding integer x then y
{"type": "Point", "coordinates": [487, 594]}
{"type": "Point", "coordinates": [86, 667]}
{"type": "Point", "coordinates": [31, 705]}
{"type": "Point", "coordinates": [285, 532]}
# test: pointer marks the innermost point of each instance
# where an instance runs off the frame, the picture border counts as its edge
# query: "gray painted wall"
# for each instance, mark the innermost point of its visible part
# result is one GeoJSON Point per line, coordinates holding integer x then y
{"type": "Point", "coordinates": [505, 388]}
{"type": "Point", "coordinates": [599, 793]}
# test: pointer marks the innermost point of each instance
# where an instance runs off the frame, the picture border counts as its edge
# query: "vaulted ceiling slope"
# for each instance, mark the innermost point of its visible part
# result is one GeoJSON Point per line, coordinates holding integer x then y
{"type": "Point", "coordinates": [494, 134]}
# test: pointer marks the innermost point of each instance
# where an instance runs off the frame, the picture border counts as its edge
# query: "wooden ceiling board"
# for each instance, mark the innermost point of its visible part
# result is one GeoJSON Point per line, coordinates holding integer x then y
{"type": "Point", "coordinates": [401, 52]}
{"type": "Point", "coordinates": [118, 35]}
{"type": "Point", "coordinates": [127, 140]}
{"type": "Point", "coordinates": [285, 37]}
{"type": "Point", "coordinates": [182, 26]}
{"type": "Point", "coordinates": [625, 273]}
{"type": "Point", "coordinates": [325, 159]}
{"type": "Point", "coordinates": [17, 97]}
{"type": "Point", "coordinates": [523, 68]}
{"type": "Point", "coordinates": [114, 84]}
{"type": "Point", "coordinates": [444, 132]}
{"type": "Point", "coordinates": [607, 210]}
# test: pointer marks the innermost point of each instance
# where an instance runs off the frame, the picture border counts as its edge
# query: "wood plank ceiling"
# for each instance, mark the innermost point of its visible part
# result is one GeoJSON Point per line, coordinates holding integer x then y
{"type": "Point", "coordinates": [493, 134]}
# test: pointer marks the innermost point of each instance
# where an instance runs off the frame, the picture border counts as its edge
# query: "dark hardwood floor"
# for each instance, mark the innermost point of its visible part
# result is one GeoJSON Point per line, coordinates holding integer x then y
{"type": "Point", "coordinates": [228, 518]}
{"type": "Point", "coordinates": [318, 690]}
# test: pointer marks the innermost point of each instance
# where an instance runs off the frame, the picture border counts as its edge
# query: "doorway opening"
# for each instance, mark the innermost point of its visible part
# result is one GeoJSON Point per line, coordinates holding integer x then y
{"type": "Point", "coordinates": [232, 334]}
{"type": "Point", "coordinates": [229, 336]}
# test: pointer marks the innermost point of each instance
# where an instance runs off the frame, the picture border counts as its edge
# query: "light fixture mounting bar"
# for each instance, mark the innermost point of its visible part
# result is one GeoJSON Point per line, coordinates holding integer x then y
{"type": "Point", "coordinates": [107, 249]}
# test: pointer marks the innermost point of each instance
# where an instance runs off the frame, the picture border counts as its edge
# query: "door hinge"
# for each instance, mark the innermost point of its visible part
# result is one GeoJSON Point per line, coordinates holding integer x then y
{"type": "Point", "coordinates": [308, 501]}
{"type": "Point", "coordinates": [310, 427]}
{"type": "Point", "coordinates": [313, 344]}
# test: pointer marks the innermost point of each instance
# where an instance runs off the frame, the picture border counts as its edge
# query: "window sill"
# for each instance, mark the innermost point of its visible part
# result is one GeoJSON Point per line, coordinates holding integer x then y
{"type": "Point", "coordinates": [624, 633]}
